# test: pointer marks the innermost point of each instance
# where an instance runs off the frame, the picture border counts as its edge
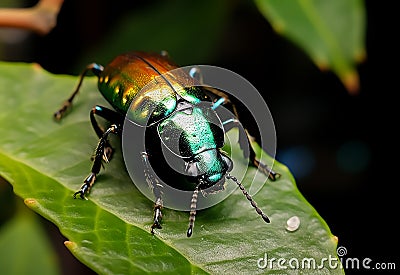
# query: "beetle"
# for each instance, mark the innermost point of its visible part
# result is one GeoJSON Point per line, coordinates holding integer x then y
{"type": "Point", "coordinates": [174, 111]}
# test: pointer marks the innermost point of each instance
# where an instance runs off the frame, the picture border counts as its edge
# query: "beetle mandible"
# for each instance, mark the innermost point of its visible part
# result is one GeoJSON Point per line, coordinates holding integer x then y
{"type": "Point", "coordinates": [165, 109]}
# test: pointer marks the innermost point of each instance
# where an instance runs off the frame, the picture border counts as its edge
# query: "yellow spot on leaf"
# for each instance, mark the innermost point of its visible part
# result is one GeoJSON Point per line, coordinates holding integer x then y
{"type": "Point", "coordinates": [335, 239]}
{"type": "Point", "coordinates": [30, 202]}
{"type": "Point", "coordinates": [70, 245]}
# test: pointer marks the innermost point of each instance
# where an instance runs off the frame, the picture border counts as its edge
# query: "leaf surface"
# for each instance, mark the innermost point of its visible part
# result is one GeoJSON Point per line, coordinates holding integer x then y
{"type": "Point", "coordinates": [46, 162]}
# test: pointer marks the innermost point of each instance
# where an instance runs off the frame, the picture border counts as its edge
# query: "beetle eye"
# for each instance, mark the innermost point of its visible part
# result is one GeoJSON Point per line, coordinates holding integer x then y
{"type": "Point", "coordinates": [228, 162]}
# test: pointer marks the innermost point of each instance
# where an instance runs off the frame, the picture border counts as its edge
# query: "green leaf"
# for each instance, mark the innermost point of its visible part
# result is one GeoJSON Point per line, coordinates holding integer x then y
{"type": "Point", "coordinates": [332, 33]}
{"type": "Point", "coordinates": [47, 161]}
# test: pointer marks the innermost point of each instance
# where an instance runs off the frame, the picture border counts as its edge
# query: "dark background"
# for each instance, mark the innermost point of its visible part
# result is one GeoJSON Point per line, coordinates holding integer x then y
{"type": "Point", "coordinates": [340, 148]}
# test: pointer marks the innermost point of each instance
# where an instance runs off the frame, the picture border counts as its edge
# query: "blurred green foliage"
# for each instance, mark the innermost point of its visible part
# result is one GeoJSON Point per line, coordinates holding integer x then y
{"type": "Point", "coordinates": [24, 246]}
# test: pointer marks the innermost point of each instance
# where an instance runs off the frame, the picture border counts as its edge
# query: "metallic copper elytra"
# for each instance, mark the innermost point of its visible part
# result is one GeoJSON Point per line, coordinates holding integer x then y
{"type": "Point", "coordinates": [129, 73]}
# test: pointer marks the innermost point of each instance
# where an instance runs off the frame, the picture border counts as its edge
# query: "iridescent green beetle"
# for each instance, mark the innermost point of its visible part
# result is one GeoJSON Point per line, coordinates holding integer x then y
{"type": "Point", "coordinates": [165, 109]}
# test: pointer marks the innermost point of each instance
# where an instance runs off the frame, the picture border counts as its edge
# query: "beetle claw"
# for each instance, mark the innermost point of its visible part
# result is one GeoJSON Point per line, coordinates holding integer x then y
{"type": "Point", "coordinates": [157, 216]}
{"type": "Point", "coordinates": [61, 112]}
{"type": "Point", "coordinates": [157, 225]}
{"type": "Point", "coordinates": [272, 175]}
{"type": "Point", "coordinates": [88, 182]}
{"type": "Point", "coordinates": [108, 152]}
{"type": "Point", "coordinates": [81, 194]}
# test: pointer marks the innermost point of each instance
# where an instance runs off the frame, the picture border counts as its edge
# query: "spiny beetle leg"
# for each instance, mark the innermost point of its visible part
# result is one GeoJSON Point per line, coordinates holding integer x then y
{"type": "Point", "coordinates": [97, 163]}
{"type": "Point", "coordinates": [109, 115]}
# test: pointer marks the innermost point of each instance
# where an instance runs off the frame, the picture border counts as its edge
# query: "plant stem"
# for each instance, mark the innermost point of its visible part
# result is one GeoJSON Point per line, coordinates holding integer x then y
{"type": "Point", "coordinates": [41, 18]}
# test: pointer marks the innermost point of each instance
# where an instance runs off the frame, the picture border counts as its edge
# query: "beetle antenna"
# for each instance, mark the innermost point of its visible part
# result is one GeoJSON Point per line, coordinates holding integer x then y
{"type": "Point", "coordinates": [249, 198]}
{"type": "Point", "coordinates": [193, 206]}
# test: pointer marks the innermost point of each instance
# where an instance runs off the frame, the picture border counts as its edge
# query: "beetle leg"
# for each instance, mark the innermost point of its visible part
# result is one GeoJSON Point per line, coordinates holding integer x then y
{"type": "Point", "coordinates": [244, 142]}
{"type": "Point", "coordinates": [96, 69]}
{"type": "Point", "coordinates": [109, 115]}
{"type": "Point", "coordinates": [158, 205]}
{"type": "Point", "coordinates": [231, 103]}
{"type": "Point", "coordinates": [243, 137]}
{"type": "Point", "coordinates": [272, 175]}
{"type": "Point", "coordinates": [97, 162]}
{"type": "Point", "coordinates": [154, 184]}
